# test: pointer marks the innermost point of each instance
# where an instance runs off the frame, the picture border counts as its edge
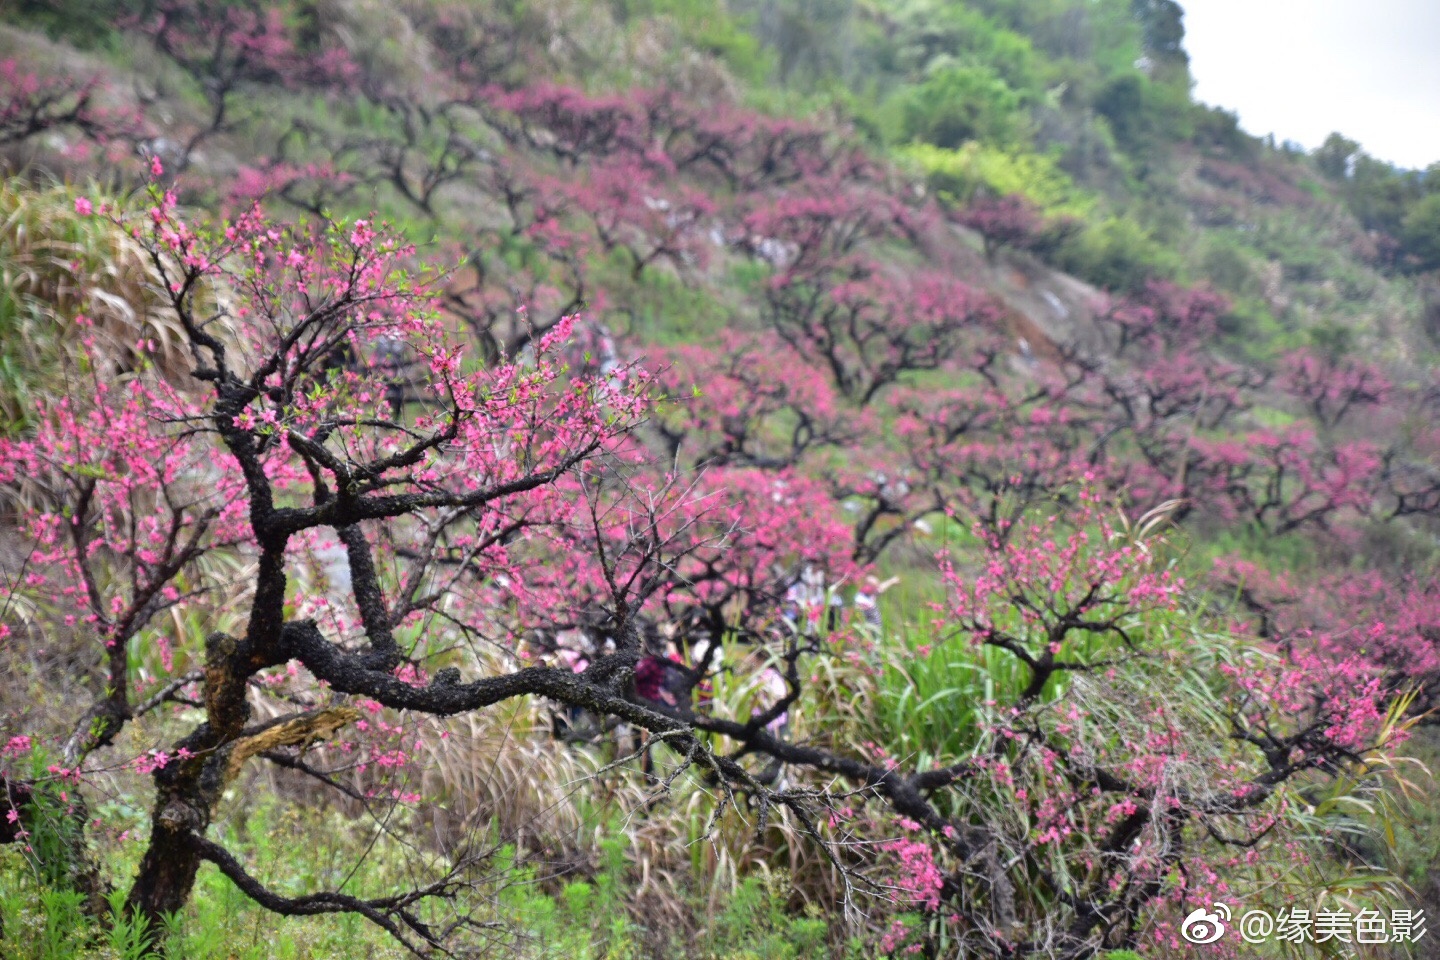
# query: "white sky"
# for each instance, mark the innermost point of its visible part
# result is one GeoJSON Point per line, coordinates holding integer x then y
{"type": "Point", "coordinates": [1300, 69]}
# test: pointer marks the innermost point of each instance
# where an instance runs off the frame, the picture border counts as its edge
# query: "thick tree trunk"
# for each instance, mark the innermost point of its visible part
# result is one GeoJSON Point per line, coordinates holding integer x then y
{"type": "Point", "coordinates": [167, 872]}
{"type": "Point", "coordinates": [189, 786]}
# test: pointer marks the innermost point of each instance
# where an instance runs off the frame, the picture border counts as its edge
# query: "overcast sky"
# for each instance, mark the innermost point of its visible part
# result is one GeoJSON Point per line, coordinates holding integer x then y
{"type": "Point", "coordinates": [1303, 68]}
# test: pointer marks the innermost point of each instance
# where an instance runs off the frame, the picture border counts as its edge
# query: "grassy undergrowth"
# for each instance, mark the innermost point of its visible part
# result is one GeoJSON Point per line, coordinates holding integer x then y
{"type": "Point", "coordinates": [528, 910]}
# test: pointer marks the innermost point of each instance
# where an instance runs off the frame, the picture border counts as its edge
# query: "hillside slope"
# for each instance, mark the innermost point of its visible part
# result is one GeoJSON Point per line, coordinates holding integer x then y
{"type": "Point", "coordinates": [1138, 411]}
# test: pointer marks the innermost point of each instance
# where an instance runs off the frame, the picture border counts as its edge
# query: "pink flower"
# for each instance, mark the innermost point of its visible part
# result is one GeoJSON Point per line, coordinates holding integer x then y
{"type": "Point", "coordinates": [84, 207]}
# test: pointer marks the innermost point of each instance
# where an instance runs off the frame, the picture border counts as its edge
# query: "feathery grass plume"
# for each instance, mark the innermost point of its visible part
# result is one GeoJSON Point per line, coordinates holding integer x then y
{"type": "Point", "coordinates": [59, 262]}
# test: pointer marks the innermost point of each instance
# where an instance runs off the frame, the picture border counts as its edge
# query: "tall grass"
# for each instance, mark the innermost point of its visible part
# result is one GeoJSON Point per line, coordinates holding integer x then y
{"type": "Point", "coordinates": [57, 264]}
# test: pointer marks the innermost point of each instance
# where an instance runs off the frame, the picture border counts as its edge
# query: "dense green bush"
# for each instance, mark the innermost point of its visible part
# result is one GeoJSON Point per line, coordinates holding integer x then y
{"type": "Point", "coordinates": [1145, 116]}
{"type": "Point", "coordinates": [711, 28]}
{"type": "Point", "coordinates": [1117, 254]}
{"type": "Point", "coordinates": [957, 104]}
{"type": "Point", "coordinates": [957, 176]}
{"type": "Point", "coordinates": [1421, 233]}
{"type": "Point", "coordinates": [537, 913]}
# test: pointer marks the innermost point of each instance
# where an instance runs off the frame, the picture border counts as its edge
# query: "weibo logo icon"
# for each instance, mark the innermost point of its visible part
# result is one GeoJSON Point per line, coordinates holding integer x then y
{"type": "Point", "coordinates": [1202, 927]}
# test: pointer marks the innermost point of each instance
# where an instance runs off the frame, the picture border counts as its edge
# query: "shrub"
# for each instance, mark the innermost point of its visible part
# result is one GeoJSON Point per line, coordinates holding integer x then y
{"type": "Point", "coordinates": [1420, 233]}
{"type": "Point", "coordinates": [958, 104]}
{"type": "Point", "coordinates": [1117, 254]}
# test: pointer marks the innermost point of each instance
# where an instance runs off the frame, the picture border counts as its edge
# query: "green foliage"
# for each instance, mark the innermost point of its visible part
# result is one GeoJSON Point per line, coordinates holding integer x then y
{"type": "Point", "coordinates": [1290, 551]}
{"type": "Point", "coordinates": [1219, 129]}
{"type": "Point", "coordinates": [1102, 32]}
{"type": "Point", "coordinates": [37, 921]}
{"type": "Point", "coordinates": [939, 691]}
{"type": "Point", "coordinates": [1420, 232]}
{"type": "Point", "coordinates": [537, 915]}
{"type": "Point", "coordinates": [1416, 849]}
{"type": "Point", "coordinates": [930, 34]}
{"type": "Point", "coordinates": [57, 264]}
{"type": "Point", "coordinates": [1229, 267]}
{"type": "Point", "coordinates": [41, 918]}
{"type": "Point", "coordinates": [88, 24]}
{"type": "Point", "coordinates": [1335, 155]}
{"type": "Point", "coordinates": [959, 174]}
{"type": "Point", "coordinates": [754, 924]}
{"type": "Point", "coordinates": [1122, 103]}
{"type": "Point", "coordinates": [664, 309]}
{"type": "Point", "coordinates": [812, 40]}
{"type": "Point", "coordinates": [709, 27]}
{"type": "Point", "coordinates": [586, 920]}
{"type": "Point", "coordinates": [958, 104]}
{"type": "Point", "coordinates": [933, 698]}
{"type": "Point", "coordinates": [1144, 115]}
{"type": "Point", "coordinates": [54, 851]}
{"type": "Point", "coordinates": [1117, 254]}
{"type": "Point", "coordinates": [129, 937]}
{"type": "Point", "coordinates": [1380, 195]}
{"type": "Point", "coordinates": [1162, 23]}
{"type": "Point", "coordinates": [1252, 330]}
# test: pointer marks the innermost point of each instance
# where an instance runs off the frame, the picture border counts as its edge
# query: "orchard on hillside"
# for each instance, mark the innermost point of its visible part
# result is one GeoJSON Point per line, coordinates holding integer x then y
{"type": "Point", "coordinates": [693, 388]}
{"type": "Point", "coordinates": [492, 502]}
